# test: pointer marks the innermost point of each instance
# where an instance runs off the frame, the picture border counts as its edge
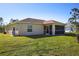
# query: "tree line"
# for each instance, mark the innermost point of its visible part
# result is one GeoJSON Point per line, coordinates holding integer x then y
{"type": "Point", "coordinates": [3, 25]}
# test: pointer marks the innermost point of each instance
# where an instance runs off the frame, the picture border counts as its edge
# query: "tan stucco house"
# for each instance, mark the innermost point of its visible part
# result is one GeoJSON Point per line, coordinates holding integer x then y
{"type": "Point", "coordinates": [31, 26]}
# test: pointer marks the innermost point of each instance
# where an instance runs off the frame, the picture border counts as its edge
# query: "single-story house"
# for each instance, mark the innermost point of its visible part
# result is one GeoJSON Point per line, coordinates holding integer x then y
{"type": "Point", "coordinates": [31, 26]}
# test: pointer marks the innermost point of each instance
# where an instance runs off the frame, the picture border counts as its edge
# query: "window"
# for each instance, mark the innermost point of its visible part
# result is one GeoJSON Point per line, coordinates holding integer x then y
{"type": "Point", "coordinates": [29, 28]}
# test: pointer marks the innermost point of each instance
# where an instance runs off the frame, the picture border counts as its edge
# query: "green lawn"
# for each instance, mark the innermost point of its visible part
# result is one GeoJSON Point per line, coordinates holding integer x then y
{"type": "Point", "coordinates": [38, 45]}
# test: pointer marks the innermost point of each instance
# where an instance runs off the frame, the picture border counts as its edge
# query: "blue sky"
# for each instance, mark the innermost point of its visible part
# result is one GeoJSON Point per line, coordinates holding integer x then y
{"type": "Point", "coordinates": [48, 11]}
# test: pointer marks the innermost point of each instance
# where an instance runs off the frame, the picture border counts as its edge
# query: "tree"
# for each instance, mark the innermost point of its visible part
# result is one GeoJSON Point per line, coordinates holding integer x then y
{"type": "Point", "coordinates": [70, 27]}
{"type": "Point", "coordinates": [1, 25]}
{"type": "Point", "coordinates": [13, 20]}
{"type": "Point", "coordinates": [74, 19]}
{"type": "Point", "coordinates": [1, 21]}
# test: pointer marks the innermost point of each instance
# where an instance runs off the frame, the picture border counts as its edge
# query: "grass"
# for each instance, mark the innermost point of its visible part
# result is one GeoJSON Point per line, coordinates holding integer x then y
{"type": "Point", "coordinates": [38, 46]}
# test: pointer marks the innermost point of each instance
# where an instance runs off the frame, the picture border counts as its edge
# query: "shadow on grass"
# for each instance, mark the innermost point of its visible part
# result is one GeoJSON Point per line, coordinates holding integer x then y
{"type": "Point", "coordinates": [40, 36]}
{"type": "Point", "coordinates": [36, 36]}
{"type": "Point", "coordinates": [44, 36]}
{"type": "Point", "coordinates": [70, 34]}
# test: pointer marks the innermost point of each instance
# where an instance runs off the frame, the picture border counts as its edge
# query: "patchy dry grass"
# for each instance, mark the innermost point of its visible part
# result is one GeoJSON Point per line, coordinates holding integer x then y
{"type": "Point", "coordinates": [38, 45]}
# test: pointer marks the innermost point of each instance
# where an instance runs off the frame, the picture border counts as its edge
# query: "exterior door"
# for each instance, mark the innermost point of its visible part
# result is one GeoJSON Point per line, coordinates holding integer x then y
{"type": "Point", "coordinates": [48, 30]}
{"type": "Point", "coordinates": [13, 30]}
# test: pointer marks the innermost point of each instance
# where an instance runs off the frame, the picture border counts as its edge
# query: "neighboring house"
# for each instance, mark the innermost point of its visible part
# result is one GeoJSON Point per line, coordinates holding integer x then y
{"type": "Point", "coordinates": [31, 26]}
{"type": "Point", "coordinates": [70, 28]}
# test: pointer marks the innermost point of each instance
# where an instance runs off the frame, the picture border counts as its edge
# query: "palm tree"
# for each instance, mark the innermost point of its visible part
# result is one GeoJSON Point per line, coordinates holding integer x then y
{"type": "Point", "coordinates": [74, 19]}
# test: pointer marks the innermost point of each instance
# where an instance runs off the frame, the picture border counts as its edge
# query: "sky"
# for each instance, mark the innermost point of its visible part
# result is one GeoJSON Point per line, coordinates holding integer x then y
{"type": "Point", "coordinates": [47, 11]}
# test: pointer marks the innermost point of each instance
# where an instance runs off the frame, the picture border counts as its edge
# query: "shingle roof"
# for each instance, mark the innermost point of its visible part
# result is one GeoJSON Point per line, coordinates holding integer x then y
{"type": "Point", "coordinates": [51, 22]}
{"type": "Point", "coordinates": [48, 22]}
{"type": "Point", "coordinates": [37, 21]}
{"type": "Point", "coordinates": [32, 20]}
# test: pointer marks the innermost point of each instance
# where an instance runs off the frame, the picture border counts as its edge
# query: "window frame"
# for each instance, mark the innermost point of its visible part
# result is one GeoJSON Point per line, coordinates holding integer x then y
{"type": "Point", "coordinates": [29, 28]}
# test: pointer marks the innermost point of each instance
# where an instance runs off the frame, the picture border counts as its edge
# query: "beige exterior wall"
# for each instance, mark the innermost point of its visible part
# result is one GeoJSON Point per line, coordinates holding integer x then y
{"type": "Point", "coordinates": [37, 28]}
{"type": "Point", "coordinates": [21, 29]}
{"type": "Point", "coordinates": [9, 29]}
